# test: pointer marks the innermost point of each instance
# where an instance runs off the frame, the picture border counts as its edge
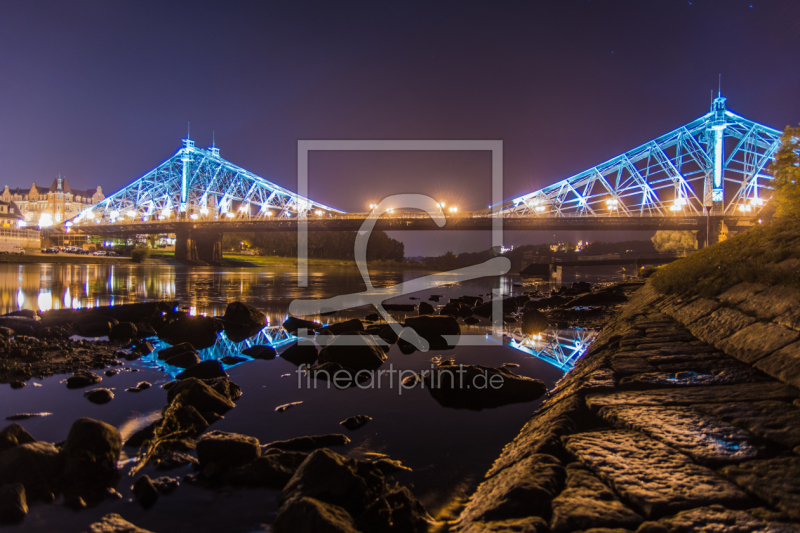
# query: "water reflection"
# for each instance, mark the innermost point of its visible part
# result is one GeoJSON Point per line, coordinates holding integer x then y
{"type": "Point", "coordinates": [560, 347]}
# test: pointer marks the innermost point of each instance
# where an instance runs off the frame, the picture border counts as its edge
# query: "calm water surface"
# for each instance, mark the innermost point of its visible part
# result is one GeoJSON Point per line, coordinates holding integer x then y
{"type": "Point", "coordinates": [448, 449]}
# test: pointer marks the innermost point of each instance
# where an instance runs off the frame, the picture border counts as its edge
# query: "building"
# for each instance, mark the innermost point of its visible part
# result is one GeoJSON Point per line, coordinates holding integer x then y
{"type": "Point", "coordinates": [45, 207]}
{"type": "Point", "coordinates": [10, 230]}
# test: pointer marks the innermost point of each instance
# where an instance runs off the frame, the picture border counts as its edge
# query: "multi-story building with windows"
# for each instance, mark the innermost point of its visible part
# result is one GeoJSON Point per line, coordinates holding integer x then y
{"type": "Point", "coordinates": [45, 207]}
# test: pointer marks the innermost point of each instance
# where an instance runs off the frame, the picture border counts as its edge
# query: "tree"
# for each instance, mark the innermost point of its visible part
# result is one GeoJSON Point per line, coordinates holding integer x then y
{"type": "Point", "coordinates": [786, 169]}
{"type": "Point", "coordinates": [674, 241]}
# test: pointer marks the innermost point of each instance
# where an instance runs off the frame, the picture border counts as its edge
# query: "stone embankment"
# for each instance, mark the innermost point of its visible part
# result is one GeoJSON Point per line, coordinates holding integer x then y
{"type": "Point", "coordinates": [683, 416]}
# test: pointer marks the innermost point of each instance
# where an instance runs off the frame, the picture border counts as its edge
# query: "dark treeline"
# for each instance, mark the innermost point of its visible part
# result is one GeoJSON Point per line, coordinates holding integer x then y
{"type": "Point", "coordinates": [525, 254]}
{"type": "Point", "coordinates": [321, 245]}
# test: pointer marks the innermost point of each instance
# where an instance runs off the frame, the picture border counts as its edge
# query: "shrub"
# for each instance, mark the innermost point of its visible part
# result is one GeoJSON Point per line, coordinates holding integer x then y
{"type": "Point", "coordinates": [138, 255]}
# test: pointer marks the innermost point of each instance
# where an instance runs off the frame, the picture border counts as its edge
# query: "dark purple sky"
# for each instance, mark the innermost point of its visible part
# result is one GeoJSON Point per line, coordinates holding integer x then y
{"type": "Point", "coordinates": [102, 91]}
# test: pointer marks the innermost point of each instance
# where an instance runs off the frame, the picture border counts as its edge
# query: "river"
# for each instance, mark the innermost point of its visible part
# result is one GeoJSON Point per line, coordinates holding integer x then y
{"type": "Point", "coordinates": [448, 449]}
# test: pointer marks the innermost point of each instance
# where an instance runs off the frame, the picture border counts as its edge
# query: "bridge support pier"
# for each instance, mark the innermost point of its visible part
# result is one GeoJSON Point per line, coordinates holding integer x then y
{"type": "Point", "coordinates": [198, 245]}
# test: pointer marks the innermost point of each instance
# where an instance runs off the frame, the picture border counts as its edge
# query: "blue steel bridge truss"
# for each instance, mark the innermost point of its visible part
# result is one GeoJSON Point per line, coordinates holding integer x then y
{"type": "Point", "coordinates": [199, 185]}
{"type": "Point", "coordinates": [718, 162]}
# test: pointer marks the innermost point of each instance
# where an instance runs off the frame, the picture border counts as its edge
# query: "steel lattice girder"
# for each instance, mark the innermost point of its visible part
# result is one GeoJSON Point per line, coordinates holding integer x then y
{"type": "Point", "coordinates": [671, 175]}
{"type": "Point", "coordinates": [204, 186]}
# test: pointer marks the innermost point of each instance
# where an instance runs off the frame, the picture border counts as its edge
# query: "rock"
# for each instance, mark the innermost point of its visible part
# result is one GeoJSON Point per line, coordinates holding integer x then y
{"type": "Point", "coordinates": [90, 453]}
{"type": "Point", "coordinates": [201, 331]}
{"type": "Point", "coordinates": [114, 523]}
{"type": "Point", "coordinates": [354, 352]}
{"type": "Point", "coordinates": [308, 515]}
{"type": "Point", "coordinates": [783, 364]}
{"type": "Point", "coordinates": [586, 503]}
{"type": "Point", "coordinates": [388, 334]}
{"type": "Point", "coordinates": [138, 437]}
{"type": "Point", "coordinates": [203, 370]}
{"type": "Point", "coordinates": [434, 328]}
{"type": "Point", "coordinates": [166, 485]}
{"type": "Point", "coordinates": [99, 396]}
{"type": "Point", "coordinates": [17, 384]}
{"type": "Point", "coordinates": [756, 341]}
{"type": "Point", "coordinates": [477, 387]}
{"type": "Point", "coordinates": [523, 489]}
{"type": "Point", "coordinates": [426, 309]}
{"type": "Point", "coordinates": [313, 442]}
{"type": "Point", "coordinates": [776, 421]}
{"type": "Point", "coordinates": [717, 518]}
{"type": "Point", "coordinates": [397, 511]}
{"type": "Point", "coordinates": [142, 385]}
{"type": "Point", "coordinates": [225, 387]}
{"type": "Point", "coordinates": [534, 322]}
{"type": "Point", "coordinates": [82, 378]}
{"type": "Point", "coordinates": [92, 325]}
{"type": "Point", "coordinates": [652, 476]}
{"type": "Point", "coordinates": [775, 481]}
{"type": "Point", "coordinates": [181, 420]}
{"type": "Point", "coordinates": [178, 349]}
{"type": "Point", "coordinates": [14, 435]}
{"type": "Point", "coordinates": [233, 360]}
{"type": "Point", "coordinates": [599, 298]}
{"type": "Point", "coordinates": [471, 320]}
{"type": "Point", "coordinates": [145, 492]}
{"type": "Point", "coordinates": [36, 465]}
{"type": "Point", "coordinates": [272, 470]}
{"type": "Point", "coordinates": [13, 504]}
{"type": "Point", "coordinates": [173, 459]}
{"type": "Point", "coordinates": [329, 477]}
{"type": "Point", "coordinates": [200, 396]}
{"type": "Point", "coordinates": [373, 317]}
{"type": "Point", "coordinates": [300, 354]}
{"type": "Point", "coordinates": [705, 438]}
{"type": "Point", "coordinates": [691, 395]}
{"type": "Point", "coordinates": [122, 332]}
{"type": "Point", "coordinates": [242, 321]}
{"type": "Point", "coordinates": [456, 310]}
{"type": "Point", "coordinates": [144, 348]}
{"type": "Point", "coordinates": [353, 325]}
{"type": "Point", "coordinates": [261, 352]}
{"type": "Point", "coordinates": [293, 324]}
{"type": "Point", "coordinates": [184, 360]}
{"type": "Point", "coordinates": [227, 450]}
{"type": "Point", "coordinates": [719, 325]}
{"type": "Point", "coordinates": [354, 422]}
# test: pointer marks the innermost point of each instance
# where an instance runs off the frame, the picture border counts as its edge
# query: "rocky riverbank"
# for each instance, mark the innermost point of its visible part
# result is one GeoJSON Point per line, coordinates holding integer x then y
{"type": "Point", "coordinates": [683, 416]}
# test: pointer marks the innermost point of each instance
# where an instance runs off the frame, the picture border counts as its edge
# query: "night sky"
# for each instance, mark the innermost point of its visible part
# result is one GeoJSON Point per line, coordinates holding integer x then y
{"type": "Point", "coordinates": [102, 91]}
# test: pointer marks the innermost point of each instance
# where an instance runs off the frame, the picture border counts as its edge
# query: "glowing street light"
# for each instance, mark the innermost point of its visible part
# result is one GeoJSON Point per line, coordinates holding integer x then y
{"type": "Point", "coordinates": [194, 216]}
{"type": "Point", "coordinates": [372, 206]}
{"type": "Point", "coordinates": [612, 204]}
{"type": "Point", "coordinates": [390, 211]}
{"type": "Point", "coordinates": [453, 209]}
{"type": "Point", "coordinates": [166, 213]}
{"type": "Point", "coordinates": [204, 210]}
{"type": "Point", "coordinates": [318, 212]}
{"type": "Point", "coordinates": [441, 204]}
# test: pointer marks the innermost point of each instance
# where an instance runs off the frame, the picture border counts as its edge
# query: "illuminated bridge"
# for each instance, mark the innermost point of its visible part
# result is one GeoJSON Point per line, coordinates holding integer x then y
{"type": "Point", "coordinates": [710, 171]}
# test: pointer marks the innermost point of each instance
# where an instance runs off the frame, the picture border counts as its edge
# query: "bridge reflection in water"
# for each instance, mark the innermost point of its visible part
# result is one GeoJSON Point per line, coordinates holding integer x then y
{"type": "Point", "coordinates": [559, 347]}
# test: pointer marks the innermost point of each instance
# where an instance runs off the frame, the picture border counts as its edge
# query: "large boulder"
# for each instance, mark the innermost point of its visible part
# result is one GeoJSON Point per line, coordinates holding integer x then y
{"type": "Point", "coordinates": [90, 453]}
{"type": "Point", "coordinates": [426, 309]}
{"type": "Point", "coordinates": [307, 515]}
{"type": "Point", "coordinates": [94, 325]}
{"type": "Point", "coordinates": [292, 324]}
{"type": "Point", "coordinates": [227, 450]}
{"type": "Point", "coordinates": [200, 396]}
{"type": "Point", "coordinates": [340, 328]}
{"type": "Point", "coordinates": [478, 387]}
{"type": "Point", "coordinates": [201, 331]}
{"type": "Point", "coordinates": [242, 321]}
{"type": "Point", "coordinates": [122, 332]}
{"type": "Point", "coordinates": [13, 503]}
{"type": "Point", "coordinates": [35, 465]}
{"type": "Point", "coordinates": [534, 322]}
{"type": "Point", "coordinates": [225, 387]}
{"type": "Point", "coordinates": [177, 349]}
{"type": "Point", "coordinates": [329, 477]}
{"type": "Point", "coordinates": [433, 328]}
{"type": "Point", "coordinates": [272, 470]}
{"type": "Point", "coordinates": [354, 352]}
{"type": "Point", "coordinates": [300, 354]}
{"type": "Point", "coordinates": [183, 360]}
{"type": "Point", "coordinates": [261, 351]}
{"type": "Point", "coordinates": [14, 435]}
{"type": "Point", "coordinates": [204, 370]}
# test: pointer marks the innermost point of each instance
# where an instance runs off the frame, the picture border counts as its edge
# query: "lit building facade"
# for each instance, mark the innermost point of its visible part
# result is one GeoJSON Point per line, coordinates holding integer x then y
{"type": "Point", "coordinates": [45, 207]}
